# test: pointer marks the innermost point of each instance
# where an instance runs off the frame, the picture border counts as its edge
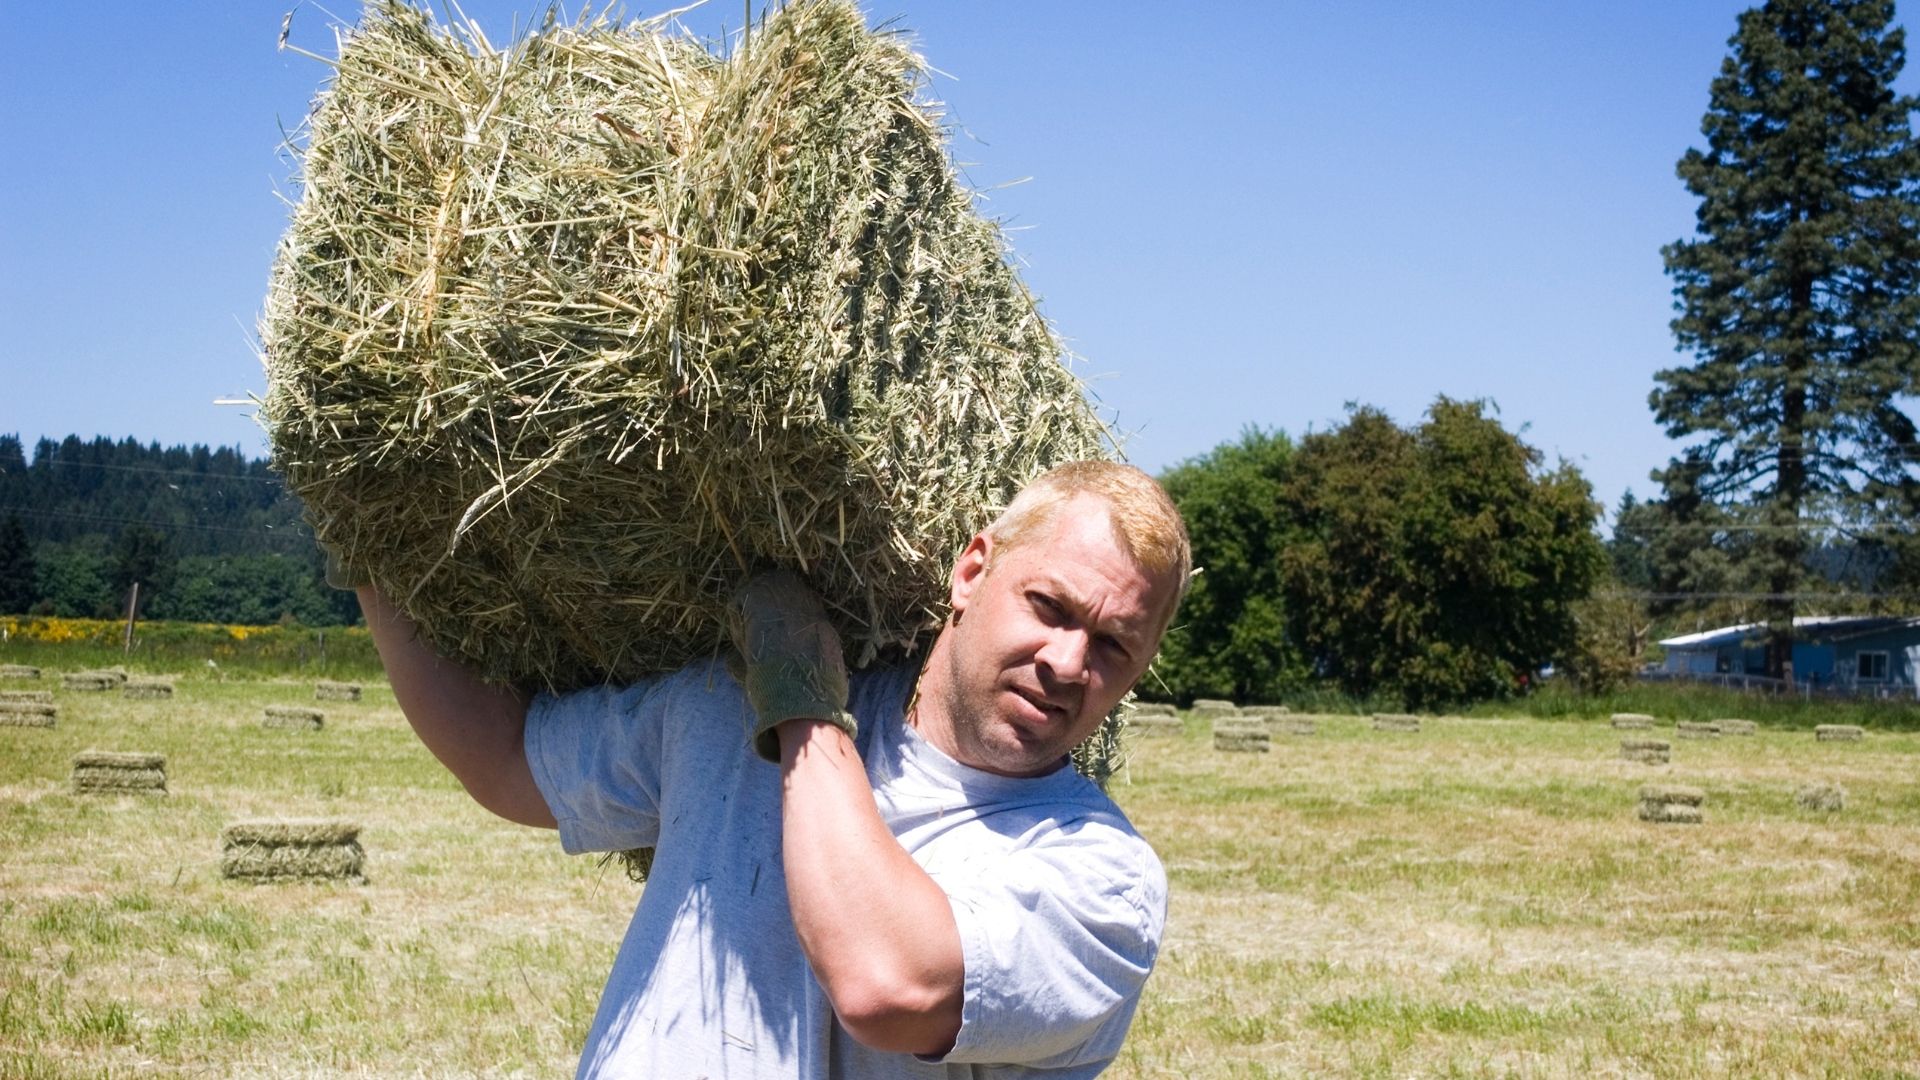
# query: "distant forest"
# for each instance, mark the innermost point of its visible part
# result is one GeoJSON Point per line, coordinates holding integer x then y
{"type": "Point", "coordinates": [209, 535]}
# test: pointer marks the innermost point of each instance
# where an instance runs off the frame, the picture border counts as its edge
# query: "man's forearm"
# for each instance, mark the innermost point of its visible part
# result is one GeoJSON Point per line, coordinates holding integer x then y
{"type": "Point", "coordinates": [473, 728]}
{"type": "Point", "coordinates": [878, 931]}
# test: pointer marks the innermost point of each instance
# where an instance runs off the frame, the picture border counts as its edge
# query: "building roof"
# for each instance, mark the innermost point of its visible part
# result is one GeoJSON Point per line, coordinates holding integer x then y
{"type": "Point", "coordinates": [1806, 627]}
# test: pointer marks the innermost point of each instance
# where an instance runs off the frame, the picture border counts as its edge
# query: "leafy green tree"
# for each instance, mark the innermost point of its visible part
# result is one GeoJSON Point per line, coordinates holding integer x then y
{"type": "Point", "coordinates": [140, 554]}
{"type": "Point", "coordinates": [1230, 638]}
{"type": "Point", "coordinates": [1439, 564]}
{"type": "Point", "coordinates": [74, 582]}
{"type": "Point", "coordinates": [253, 590]}
{"type": "Point", "coordinates": [18, 590]}
{"type": "Point", "coordinates": [1800, 293]}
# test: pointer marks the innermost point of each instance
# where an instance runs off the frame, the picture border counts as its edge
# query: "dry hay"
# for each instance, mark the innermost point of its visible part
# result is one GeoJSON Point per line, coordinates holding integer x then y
{"type": "Point", "coordinates": [1735, 727]}
{"type": "Point", "coordinates": [1696, 729]}
{"type": "Point", "coordinates": [1241, 736]}
{"type": "Point", "coordinates": [1646, 751]}
{"type": "Point", "coordinates": [147, 688]}
{"type": "Point", "coordinates": [28, 714]}
{"type": "Point", "coordinates": [1632, 721]}
{"type": "Point", "coordinates": [1148, 724]}
{"type": "Point", "coordinates": [565, 338]}
{"type": "Point", "coordinates": [292, 718]}
{"type": "Point", "coordinates": [1672, 804]}
{"type": "Point", "coordinates": [26, 697]}
{"type": "Point", "coordinates": [18, 671]}
{"type": "Point", "coordinates": [1829, 798]}
{"type": "Point", "coordinates": [1292, 725]}
{"type": "Point", "coordinates": [1839, 733]}
{"type": "Point", "coordinates": [1395, 722]}
{"type": "Point", "coordinates": [292, 850]}
{"type": "Point", "coordinates": [336, 691]}
{"type": "Point", "coordinates": [88, 682]}
{"type": "Point", "coordinates": [112, 772]}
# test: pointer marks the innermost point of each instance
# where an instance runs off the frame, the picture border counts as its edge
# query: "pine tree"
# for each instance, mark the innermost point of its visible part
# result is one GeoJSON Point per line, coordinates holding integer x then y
{"type": "Point", "coordinates": [17, 588]}
{"type": "Point", "coordinates": [1800, 293]}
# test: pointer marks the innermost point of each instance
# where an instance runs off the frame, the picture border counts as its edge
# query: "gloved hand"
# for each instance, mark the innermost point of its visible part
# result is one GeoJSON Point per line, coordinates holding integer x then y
{"type": "Point", "coordinates": [790, 662]}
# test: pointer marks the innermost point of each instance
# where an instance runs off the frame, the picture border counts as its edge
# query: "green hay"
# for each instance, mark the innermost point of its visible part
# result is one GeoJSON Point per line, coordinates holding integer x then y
{"type": "Point", "coordinates": [93, 780]}
{"type": "Point", "coordinates": [1824, 798]}
{"type": "Point", "coordinates": [88, 682]}
{"type": "Point", "coordinates": [292, 718]}
{"type": "Point", "coordinates": [336, 691]}
{"type": "Point", "coordinates": [294, 863]}
{"type": "Point", "coordinates": [26, 697]}
{"type": "Point", "coordinates": [1646, 751]}
{"type": "Point", "coordinates": [289, 832]}
{"type": "Point", "coordinates": [119, 759]}
{"type": "Point", "coordinates": [147, 689]}
{"type": "Point", "coordinates": [1673, 794]}
{"type": "Point", "coordinates": [28, 714]}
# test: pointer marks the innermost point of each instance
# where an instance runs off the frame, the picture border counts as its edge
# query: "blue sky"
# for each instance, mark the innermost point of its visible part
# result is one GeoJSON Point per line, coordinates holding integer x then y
{"type": "Point", "coordinates": [1235, 213]}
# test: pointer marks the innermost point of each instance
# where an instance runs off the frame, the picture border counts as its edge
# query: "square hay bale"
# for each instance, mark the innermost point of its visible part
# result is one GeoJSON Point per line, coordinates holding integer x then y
{"type": "Point", "coordinates": [28, 714]}
{"type": "Point", "coordinates": [1735, 727]}
{"type": "Point", "coordinates": [292, 850]}
{"type": "Point", "coordinates": [1646, 751]}
{"type": "Point", "coordinates": [1292, 725]}
{"type": "Point", "coordinates": [1672, 804]}
{"type": "Point", "coordinates": [1696, 729]}
{"type": "Point", "coordinates": [26, 697]}
{"type": "Point", "coordinates": [1153, 708]}
{"type": "Point", "coordinates": [1826, 798]}
{"type": "Point", "coordinates": [1839, 733]}
{"type": "Point", "coordinates": [1241, 737]}
{"type": "Point", "coordinates": [1151, 725]}
{"type": "Point", "coordinates": [148, 689]}
{"type": "Point", "coordinates": [1632, 721]}
{"type": "Point", "coordinates": [1211, 707]}
{"type": "Point", "coordinates": [109, 772]}
{"type": "Point", "coordinates": [18, 671]}
{"type": "Point", "coordinates": [88, 682]}
{"type": "Point", "coordinates": [1395, 722]}
{"type": "Point", "coordinates": [292, 718]}
{"type": "Point", "coordinates": [336, 691]}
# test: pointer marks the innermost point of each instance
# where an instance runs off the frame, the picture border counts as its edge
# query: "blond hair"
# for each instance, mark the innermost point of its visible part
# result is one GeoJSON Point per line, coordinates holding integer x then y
{"type": "Point", "coordinates": [1142, 517]}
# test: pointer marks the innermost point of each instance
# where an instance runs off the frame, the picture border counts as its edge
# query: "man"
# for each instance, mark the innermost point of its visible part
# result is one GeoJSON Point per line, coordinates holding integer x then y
{"type": "Point", "coordinates": [923, 886]}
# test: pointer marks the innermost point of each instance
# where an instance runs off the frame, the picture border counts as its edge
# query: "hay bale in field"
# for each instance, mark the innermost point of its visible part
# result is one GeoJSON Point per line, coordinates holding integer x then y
{"type": "Point", "coordinates": [147, 688]}
{"type": "Point", "coordinates": [1241, 737]}
{"type": "Point", "coordinates": [1395, 722]}
{"type": "Point", "coordinates": [28, 714]}
{"type": "Point", "coordinates": [1632, 721]}
{"type": "Point", "coordinates": [1292, 725]}
{"type": "Point", "coordinates": [1646, 751]}
{"type": "Point", "coordinates": [1672, 804]}
{"type": "Point", "coordinates": [292, 850]}
{"type": "Point", "coordinates": [1827, 798]}
{"type": "Point", "coordinates": [1839, 733]}
{"type": "Point", "coordinates": [114, 772]}
{"type": "Point", "coordinates": [1153, 708]}
{"type": "Point", "coordinates": [88, 682]}
{"type": "Point", "coordinates": [26, 697]}
{"type": "Point", "coordinates": [1735, 727]}
{"type": "Point", "coordinates": [18, 671]}
{"type": "Point", "coordinates": [1212, 707]}
{"type": "Point", "coordinates": [1152, 725]}
{"type": "Point", "coordinates": [1696, 729]}
{"type": "Point", "coordinates": [292, 718]}
{"type": "Point", "coordinates": [325, 690]}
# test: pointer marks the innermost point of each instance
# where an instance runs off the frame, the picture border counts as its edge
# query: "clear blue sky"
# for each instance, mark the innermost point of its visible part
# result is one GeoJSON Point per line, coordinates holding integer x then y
{"type": "Point", "coordinates": [1237, 213]}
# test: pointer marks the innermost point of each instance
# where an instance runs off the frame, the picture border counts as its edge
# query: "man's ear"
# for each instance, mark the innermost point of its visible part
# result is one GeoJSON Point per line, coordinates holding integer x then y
{"type": "Point", "coordinates": [968, 569]}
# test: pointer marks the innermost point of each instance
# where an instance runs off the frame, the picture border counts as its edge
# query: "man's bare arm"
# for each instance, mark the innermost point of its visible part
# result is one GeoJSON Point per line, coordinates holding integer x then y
{"type": "Point", "coordinates": [878, 932]}
{"type": "Point", "coordinates": [472, 726]}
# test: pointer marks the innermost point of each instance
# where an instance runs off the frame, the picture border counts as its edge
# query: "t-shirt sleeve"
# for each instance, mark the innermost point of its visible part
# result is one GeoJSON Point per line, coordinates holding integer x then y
{"type": "Point", "coordinates": [595, 756]}
{"type": "Point", "coordinates": [1057, 940]}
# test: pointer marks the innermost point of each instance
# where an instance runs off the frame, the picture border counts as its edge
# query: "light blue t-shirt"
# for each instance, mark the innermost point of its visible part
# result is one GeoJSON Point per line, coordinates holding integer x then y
{"type": "Point", "coordinates": [1059, 902]}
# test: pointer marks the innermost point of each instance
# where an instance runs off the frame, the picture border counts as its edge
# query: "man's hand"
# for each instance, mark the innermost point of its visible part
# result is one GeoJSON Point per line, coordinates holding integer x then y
{"type": "Point", "coordinates": [791, 667]}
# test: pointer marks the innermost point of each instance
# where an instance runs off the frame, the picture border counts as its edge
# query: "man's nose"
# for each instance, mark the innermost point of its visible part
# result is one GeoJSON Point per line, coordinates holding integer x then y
{"type": "Point", "coordinates": [1065, 655]}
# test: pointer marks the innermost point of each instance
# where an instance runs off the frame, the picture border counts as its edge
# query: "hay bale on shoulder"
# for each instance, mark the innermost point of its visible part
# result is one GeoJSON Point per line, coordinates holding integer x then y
{"type": "Point", "coordinates": [1839, 733]}
{"type": "Point", "coordinates": [1395, 722]}
{"type": "Point", "coordinates": [1646, 751]}
{"type": "Point", "coordinates": [1826, 798]}
{"type": "Point", "coordinates": [1735, 727]}
{"type": "Point", "coordinates": [1630, 721]}
{"type": "Point", "coordinates": [149, 689]}
{"type": "Point", "coordinates": [292, 718]}
{"type": "Point", "coordinates": [18, 671]}
{"type": "Point", "coordinates": [292, 850]}
{"type": "Point", "coordinates": [38, 714]}
{"type": "Point", "coordinates": [336, 691]}
{"type": "Point", "coordinates": [108, 772]}
{"type": "Point", "coordinates": [1696, 729]}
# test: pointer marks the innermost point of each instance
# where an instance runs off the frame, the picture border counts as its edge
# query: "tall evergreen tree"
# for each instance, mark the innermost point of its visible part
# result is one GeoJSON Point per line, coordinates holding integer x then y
{"type": "Point", "coordinates": [1800, 292]}
{"type": "Point", "coordinates": [18, 590]}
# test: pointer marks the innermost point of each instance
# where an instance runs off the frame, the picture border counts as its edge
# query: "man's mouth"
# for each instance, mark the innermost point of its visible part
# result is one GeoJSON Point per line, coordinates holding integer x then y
{"type": "Point", "coordinates": [1052, 710]}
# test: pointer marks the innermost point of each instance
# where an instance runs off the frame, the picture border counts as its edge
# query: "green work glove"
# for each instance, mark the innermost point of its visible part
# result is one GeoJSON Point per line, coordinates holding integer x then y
{"type": "Point", "coordinates": [790, 663]}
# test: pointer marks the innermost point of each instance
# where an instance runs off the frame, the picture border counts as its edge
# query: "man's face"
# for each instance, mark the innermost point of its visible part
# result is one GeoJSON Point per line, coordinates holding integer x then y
{"type": "Point", "coordinates": [1046, 642]}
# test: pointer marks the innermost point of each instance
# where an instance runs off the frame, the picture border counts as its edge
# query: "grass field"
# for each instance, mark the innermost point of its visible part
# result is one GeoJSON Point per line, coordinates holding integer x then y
{"type": "Point", "coordinates": [1476, 899]}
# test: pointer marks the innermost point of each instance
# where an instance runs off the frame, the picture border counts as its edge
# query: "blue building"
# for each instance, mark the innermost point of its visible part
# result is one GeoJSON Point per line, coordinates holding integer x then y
{"type": "Point", "coordinates": [1862, 653]}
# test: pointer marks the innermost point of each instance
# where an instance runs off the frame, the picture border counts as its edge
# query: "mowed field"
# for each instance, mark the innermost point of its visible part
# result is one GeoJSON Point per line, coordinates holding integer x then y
{"type": "Point", "coordinates": [1475, 899]}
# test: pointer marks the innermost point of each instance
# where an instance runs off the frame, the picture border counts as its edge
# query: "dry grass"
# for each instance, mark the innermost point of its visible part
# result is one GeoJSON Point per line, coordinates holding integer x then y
{"type": "Point", "coordinates": [1478, 902]}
